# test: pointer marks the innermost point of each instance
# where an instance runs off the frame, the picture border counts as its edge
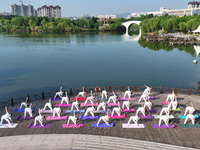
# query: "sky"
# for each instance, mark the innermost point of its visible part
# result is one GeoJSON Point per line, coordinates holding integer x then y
{"type": "Point", "coordinates": [97, 7]}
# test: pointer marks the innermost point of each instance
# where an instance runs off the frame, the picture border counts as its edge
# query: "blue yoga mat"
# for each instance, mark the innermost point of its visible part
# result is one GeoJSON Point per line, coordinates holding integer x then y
{"type": "Point", "coordinates": [182, 116]}
{"type": "Point", "coordinates": [102, 125]}
{"type": "Point", "coordinates": [88, 117]}
{"type": "Point", "coordinates": [20, 110]}
{"type": "Point", "coordinates": [76, 111]}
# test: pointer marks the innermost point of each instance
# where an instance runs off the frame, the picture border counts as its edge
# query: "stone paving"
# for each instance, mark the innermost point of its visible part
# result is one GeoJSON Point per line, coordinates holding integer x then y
{"type": "Point", "coordinates": [79, 142]}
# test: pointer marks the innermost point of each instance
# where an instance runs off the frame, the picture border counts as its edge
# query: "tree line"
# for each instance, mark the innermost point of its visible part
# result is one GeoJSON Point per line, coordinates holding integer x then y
{"type": "Point", "coordinates": [170, 24]}
{"type": "Point", "coordinates": [45, 24]}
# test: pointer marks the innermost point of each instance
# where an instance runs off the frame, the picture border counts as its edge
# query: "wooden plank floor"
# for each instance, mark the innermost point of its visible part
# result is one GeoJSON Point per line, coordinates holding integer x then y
{"type": "Point", "coordinates": [188, 137]}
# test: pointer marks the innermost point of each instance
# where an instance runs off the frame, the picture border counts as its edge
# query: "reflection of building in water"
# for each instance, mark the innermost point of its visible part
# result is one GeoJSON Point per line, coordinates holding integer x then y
{"type": "Point", "coordinates": [197, 50]}
{"type": "Point", "coordinates": [193, 8]}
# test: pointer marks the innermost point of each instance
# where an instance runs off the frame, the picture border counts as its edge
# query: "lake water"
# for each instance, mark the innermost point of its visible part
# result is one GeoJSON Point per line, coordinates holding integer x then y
{"type": "Point", "coordinates": [32, 63]}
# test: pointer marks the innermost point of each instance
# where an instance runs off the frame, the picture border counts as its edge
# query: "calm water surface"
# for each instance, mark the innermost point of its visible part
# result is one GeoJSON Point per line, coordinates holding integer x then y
{"type": "Point", "coordinates": [32, 63]}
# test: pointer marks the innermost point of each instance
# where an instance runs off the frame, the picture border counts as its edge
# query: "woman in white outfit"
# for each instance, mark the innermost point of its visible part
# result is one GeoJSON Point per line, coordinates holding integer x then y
{"type": "Point", "coordinates": [28, 110]}
{"type": "Point", "coordinates": [104, 94]}
{"type": "Point", "coordinates": [39, 119]}
{"type": "Point", "coordinates": [65, 99]}
{"type": "Point", "coordinates": [127, 104]}
{"type": "Point", "coordinates": [57, 111]}
{"type": "Point", "coordinates": [73, 119]}
{"type": "Point", "coordinates": [48, 105]}
{"type": "Point", "coordinates": [165, 110]}
{"type": "Point", "coordinates": [75, 104]}
{"type": "Point", "coordinates": [90, 110]}
{"type": "Point", "coordinates": [104, 118]}
{"type": "Point", "coordinates": [60, 93]}
{"type": "Point", "coordinates": [112, 98]}
{"type": "Point", "coordinates": [148, 104]}
{"type": "Point", "coordinates": [164, 118]}
{"type": "Point", "coordinates": [172, 97]}
{"type": "Point", "coordinates": [189, 109]}
{"type": "Point", "coordinates": [24, 103]}
{"type": "Point", "coordinates": [191, 117]}
{"type": "Point", "coordinates": [102, 105]}
{"type": "Point", "coordinates": [141, 109]}
{"type": "Point", "coordinates": [128, 93]}
{"type": "Point", "coordinates": [117, 110]}
{"type": "Point", "coordinates": [6, 117]}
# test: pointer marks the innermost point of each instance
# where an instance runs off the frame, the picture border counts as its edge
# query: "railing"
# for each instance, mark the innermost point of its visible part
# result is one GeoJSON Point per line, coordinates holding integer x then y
{"type": "Point", "coordinates": [108, 88]}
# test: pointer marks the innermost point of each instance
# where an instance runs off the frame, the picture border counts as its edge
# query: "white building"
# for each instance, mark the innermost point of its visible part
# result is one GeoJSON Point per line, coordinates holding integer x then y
{"type": "Point", "coordinates": [106, 16]}
{"type": "Point", "coordinates": [50, 11]}
{"type": "Point", "coordinates": [22, 10]}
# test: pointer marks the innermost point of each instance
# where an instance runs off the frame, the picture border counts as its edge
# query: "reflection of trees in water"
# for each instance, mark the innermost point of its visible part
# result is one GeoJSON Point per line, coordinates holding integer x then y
{"type": "Point", "coordinates": [156, 46]}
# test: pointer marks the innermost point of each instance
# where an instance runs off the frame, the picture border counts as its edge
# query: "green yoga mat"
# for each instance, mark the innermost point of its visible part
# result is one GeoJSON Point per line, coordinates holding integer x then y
{"type": "Point", "coordinates": [190, 125]}
{"type": "Point", "coordinates": [178, 109]}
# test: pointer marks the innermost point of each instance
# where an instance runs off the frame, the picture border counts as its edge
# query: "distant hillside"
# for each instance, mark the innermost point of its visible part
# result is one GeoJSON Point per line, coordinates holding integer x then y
{"type": "Point", "coordinates": [124, 15]}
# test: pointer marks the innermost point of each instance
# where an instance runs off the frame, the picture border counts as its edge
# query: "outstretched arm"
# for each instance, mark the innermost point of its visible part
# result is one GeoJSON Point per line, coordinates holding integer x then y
{"type": "Point", "coordinates": [6, 109]}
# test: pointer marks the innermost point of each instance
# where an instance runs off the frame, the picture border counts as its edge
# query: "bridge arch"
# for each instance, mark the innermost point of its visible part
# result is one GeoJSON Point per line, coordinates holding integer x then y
{"type": "Point", "coordinates": [128, 23]}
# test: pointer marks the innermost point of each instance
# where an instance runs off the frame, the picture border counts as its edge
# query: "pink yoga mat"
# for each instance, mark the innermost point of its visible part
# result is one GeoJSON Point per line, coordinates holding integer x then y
{"type": "Point", "coordinates": [122, 98]}
{"type": "Point", "coordinates": [88, 104]}
{"type": "Point", "coordinates": [116, 116]}
{"type": "Point", "coordinates": [63, 105]}
{"type": "Point", "coordinates": [113, 104]}
{"type": "Point", "coordinates": [73, 126]}
{"type": "Point", "coordinates": [163, 126]}
{"type": "Point", "coordinates": [56, 118]}
{"type": "Point", "coordinates": [79, 98]}
{"type": "Point", "coordinates": [124, 125]}
{"type": "Point", "coordinates": [167, 102]}
{"type": "Point", "coordinates": [130, 110]}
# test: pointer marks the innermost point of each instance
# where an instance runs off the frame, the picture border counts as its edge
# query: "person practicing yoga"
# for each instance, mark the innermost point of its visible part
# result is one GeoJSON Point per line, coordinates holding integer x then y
{"type": "Point", "coordinates": [112, 98]}
{"type": "Point", "coordinates": [102, 105]}
{"type": "Point", "coordinates": [57, 111]}
{"type": "Point", "coordinates": [90, 110]}
{"type": "Point", "coordinates": [90, 98]}
{"type": "Point", "coordinates": [147, 90]}
{"type": "Point", "coordinates": [72, 118]}
{"type": "Point", "coordinates": [28, 110]}
{"type": "Point", "coordinates": [148, 104]}
{"type": "Point", "coordinates": [82, 94]}
{"type": "Point", "coordinates": [165, 110]}
{"type": "Point", "coordinates": [191, 117]}
{"type": "Point", "coordinates": [6, 117]}
{"type": "Point", "coordinates": [171, 97]}
{"type": "Point", "coordinates": [75, 104]}
{"type": "Point", "coordinates": [164, 118]}
{"type": "Point", "coordinates": [65, 98]}
{"type": "Point", "coordinates": [60, 93]}
{"type": "Point", "coordinates": [117, 110]}
{"type": "Point", "coordinates": [134, 119]}
{"type": "Point", "coordinates": [173, 104]}
{"type": "Point", "coordinates": [104, 118]}
{"type": "Point", "coordinates": [104, 93]}
{"type": "Point", "coordinates": [141, 109]}
{"type": "Point", "coordinates": [189, 109]}
{"type": "Point", "coordinates": [143, 97]}
{"type": "Point", "coordinates": [24, 103]}
{"type": "Point", "coordinates": [127, 104]}
{"type": "Point", "coordinates": [128, 93]}
{"type": "Point", "coordinates": [39, 119]}
{"type": "Point", "coordinates": [48, 105]}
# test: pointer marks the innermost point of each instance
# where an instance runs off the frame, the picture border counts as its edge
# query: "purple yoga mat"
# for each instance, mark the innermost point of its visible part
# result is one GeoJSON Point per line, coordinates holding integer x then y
{"type": "Point", "coordinates": [152, 110]}
{"type": "Point", "coordinates": [56, 99]}
{"type": "Point", "coordinates": [88, 117]}
{"type": "Point", "coordinates": [22, 118]}
{"type": "Point", "coordinates": [38, 126]}
{"type": "Point", "coordinates": [163, 126]}
{"type": "Point", "coordinates": [73, 126]}
{"type": "Point", "coordinates": [145, 117]}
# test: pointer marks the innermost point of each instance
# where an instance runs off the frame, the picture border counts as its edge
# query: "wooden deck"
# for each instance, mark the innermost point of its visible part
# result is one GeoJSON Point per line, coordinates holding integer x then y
{"type": "Point", "coordinates": [177, 136]}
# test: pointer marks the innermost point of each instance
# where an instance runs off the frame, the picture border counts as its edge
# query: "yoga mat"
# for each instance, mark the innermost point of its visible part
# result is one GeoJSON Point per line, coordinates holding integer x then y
{"type": "Point", "coordinates": [151, 98]}
{"type": "Point", "coordinates": [8, 126]}
{"type": "Point", "coordinates": [84, 105]}
{"type": "Point", "coordinates": [56, 118]}
{"type": "Point", "coordinates": [56, 99]}
{"type": "Point", "coordinates": [152, 110]}
{"type": "Point", "coordinates": [63, 105]}
{"type": "Point", "coordinates": [45, 111]}
{"type": "Point", "coordinates": [102, 111]}
{"type": "Point", "coordinates": [182, 116]}
{"type": "Point", "coordinates": [122, 98]}
{"type": "Point", "coordinates": [79, 98]}
{"type": "Point", "coordinates": [178, 109]}
{"type": "Point", "coordinates": [113, 104]}
{"type": "Point", "coordinates": [76, 111]}
{"type": "Point", "coordinates": [73, 126]}
{"type": "Point", "coordinates": [158, 116]}
{"type": "Point", "coordinates": [38, 126]}
{"type": "Point", "coordinates": [102, 125]}
{"type": "Point", "coordinates": [88, 117]}
{"type": "Point", "coordinates": [130, 110]}
{"type": "Point", "coordinates": [26, 118]}
{"type": "Point", "coordinates": [125, 125]}
{"type": "Point", "coordinates": [197, 125]}
{"type": "Point", "coordinates": [167, 102]}
{"type": "Point", "coordinates": [163, 126]}
{"type": "Point", "coordinates": [20, 110]}
{"type": "Point", "coordinates": [116, 116]}
{"type": "Point", "coordinates": [145, 117]}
